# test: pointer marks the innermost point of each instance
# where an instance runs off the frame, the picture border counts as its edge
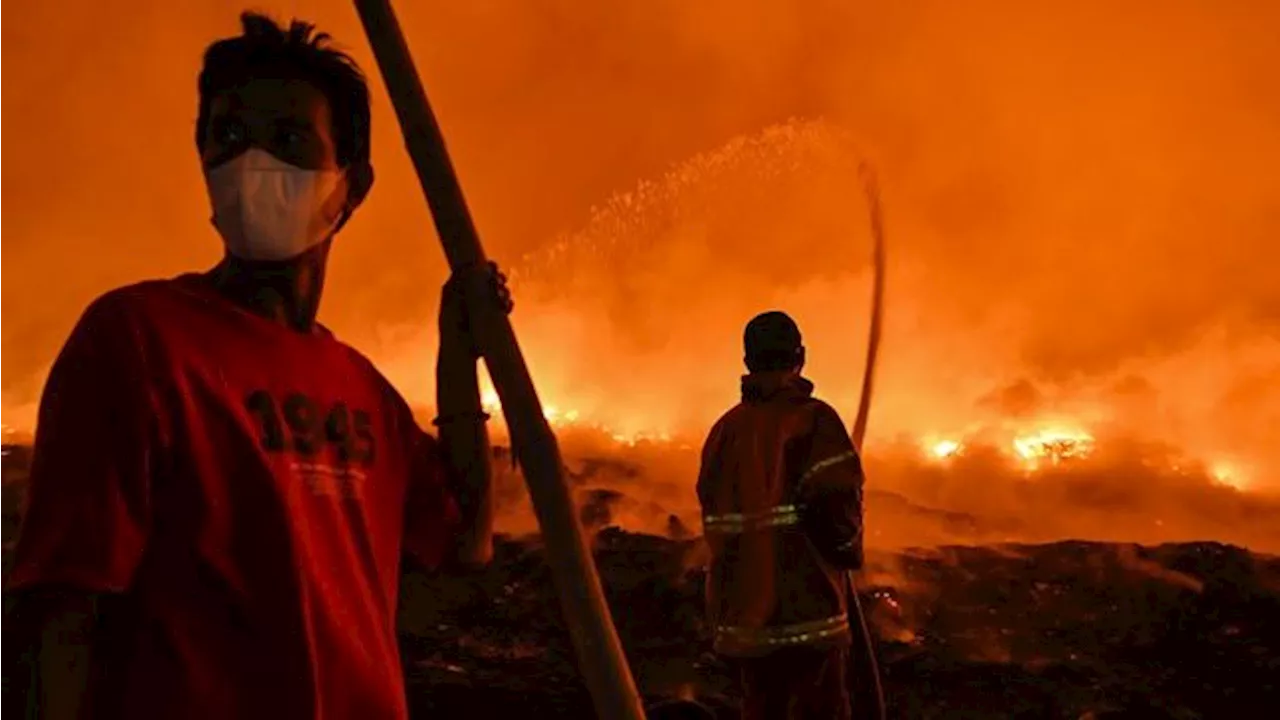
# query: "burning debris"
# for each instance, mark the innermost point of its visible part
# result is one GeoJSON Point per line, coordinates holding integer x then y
{"type": "Point", "coordinates": [1057, 630]}
{"type": "Point", "coordinates": [1053, 446]}
{"type": "Point", "coordinates": [943, 449]}
{"type": "Point", "coordinates": [1033, 226]}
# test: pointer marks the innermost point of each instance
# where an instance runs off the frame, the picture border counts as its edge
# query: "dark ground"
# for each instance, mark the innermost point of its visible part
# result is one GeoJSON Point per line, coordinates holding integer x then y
{"type": "Point", "coordinates": [1067, 630]}
{"type": "Point", "coordinates": [1063, 630]}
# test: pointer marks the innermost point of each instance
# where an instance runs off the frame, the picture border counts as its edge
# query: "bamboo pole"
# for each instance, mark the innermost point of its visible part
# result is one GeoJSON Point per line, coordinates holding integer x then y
{"type": "Point", "coordinates": [599, 652]}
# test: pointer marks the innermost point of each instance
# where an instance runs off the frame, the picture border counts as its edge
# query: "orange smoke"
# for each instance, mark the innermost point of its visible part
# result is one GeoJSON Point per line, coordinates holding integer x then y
{"type": "Point", "coordinates": [1079, 200]}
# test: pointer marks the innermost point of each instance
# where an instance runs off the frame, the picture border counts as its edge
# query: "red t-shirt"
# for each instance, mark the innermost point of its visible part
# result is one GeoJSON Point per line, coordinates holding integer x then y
{"type": "Point", "coordinates": [248, 490]}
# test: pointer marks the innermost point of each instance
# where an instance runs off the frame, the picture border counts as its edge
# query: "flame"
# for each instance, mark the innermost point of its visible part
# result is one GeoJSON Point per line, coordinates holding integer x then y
{"type": "Point", "coordinates": [1229, 474]}
{"type": "Point", "coordinates": [1031, 446]}
{"type": "Point", "coordinates": [943, 449]}
{"type": "Point", "coordinates": [555, 415]}
{"type": "Point", "coordinates": [558, 417]}
{"type": "Point", "coordinates": [1013, 262]}
{"type": "Point", "coordinates": [1054, 444]}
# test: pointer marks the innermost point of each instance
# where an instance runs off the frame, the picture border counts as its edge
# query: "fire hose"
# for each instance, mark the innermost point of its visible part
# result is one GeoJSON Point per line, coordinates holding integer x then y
{"type": "Point", "coordinates": [599, 652]}
{"type": "Point", "coordinates": [598, 649]}
{"type": "Point", "coordinates": [868, 701]}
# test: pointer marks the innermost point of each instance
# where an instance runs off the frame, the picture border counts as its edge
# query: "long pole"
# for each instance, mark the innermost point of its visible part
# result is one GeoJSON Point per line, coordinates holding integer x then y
{"type": "Point", "coordinates": [599, 652]}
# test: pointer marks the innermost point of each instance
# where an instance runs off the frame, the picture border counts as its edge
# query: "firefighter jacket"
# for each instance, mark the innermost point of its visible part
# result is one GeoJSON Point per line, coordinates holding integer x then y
{"type": "Point", "coordinates": [781, 494]}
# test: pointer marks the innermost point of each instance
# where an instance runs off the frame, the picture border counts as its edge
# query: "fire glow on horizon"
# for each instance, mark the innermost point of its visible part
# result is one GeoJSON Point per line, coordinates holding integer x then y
{"type": "Point", "coordinates": [1078, 201]}
{"type": "Point", "coordinates": [1032, 448]}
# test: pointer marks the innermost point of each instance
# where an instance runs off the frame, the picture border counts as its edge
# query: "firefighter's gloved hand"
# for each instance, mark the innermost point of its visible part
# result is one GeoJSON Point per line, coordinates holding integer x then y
{"type": "Point", "coordinates": [482, 283]}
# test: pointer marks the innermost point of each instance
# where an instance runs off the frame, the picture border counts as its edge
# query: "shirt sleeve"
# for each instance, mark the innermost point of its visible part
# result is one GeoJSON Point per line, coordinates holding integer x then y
{"type": "Point", "coordinates": [831, 490]}
{"type": "Point", "coordinates": [88, 509]}
{"type": "Point", "coordinates": [432, 517]}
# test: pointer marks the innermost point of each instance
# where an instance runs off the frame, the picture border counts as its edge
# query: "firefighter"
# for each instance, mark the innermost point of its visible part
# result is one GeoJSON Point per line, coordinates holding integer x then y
{"type": "Point", "coordinates": [781, 494]}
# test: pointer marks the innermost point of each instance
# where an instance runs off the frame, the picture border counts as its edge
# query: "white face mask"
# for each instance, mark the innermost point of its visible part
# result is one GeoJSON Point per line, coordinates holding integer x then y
{"type": "Point", "coordinates": [267, 209]}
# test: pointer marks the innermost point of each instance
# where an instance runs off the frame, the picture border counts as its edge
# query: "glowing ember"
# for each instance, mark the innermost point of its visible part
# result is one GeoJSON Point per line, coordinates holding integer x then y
{"type": "Point", "coordinates": [1228, 474]}
{"type": "Point", "coordinates": [556, 416]}
{"type": "Point", "coordinates": [1050, 445]}
{"type": "Point", "coordinates": [1031, 448]}
{"type": "Point", "coordinates": [614, 364]}
{"type": "Point", "coordinates": [640, 437]}
{"type": "Point", "coordinates": [944, 449]}
{"type": "Point", "coordinates": [560, 418]}
{"type": "Point", "coordinates": [1054, 445]}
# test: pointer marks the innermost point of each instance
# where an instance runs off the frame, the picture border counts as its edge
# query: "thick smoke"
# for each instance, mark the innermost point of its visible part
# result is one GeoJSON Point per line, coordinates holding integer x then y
{"type": "Point", "coordinates": [1079, 198]}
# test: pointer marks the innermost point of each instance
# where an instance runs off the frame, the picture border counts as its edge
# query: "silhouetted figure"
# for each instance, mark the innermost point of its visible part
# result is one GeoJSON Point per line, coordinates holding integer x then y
{"type": "Point", "coordinates": [221, 491]}
{"type": "Point", "coordinates": [781, 494]}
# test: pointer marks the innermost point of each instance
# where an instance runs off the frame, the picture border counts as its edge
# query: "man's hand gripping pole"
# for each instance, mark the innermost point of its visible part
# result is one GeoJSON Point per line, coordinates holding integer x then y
{"type": "Point", "coordinates": [599, 652]}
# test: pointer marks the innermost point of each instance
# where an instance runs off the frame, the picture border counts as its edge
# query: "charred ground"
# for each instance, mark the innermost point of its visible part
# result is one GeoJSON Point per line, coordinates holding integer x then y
{"type": "Point", "coordinates": [1049, 631]}
{"type": "Point", "coordinates": [1061, 630]}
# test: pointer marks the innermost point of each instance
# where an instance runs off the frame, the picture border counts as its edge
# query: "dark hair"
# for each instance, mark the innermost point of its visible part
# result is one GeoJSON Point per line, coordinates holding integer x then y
{"type": "Point", "coordinates": [266, 49]}
{"type": "Point", "coordinates": [771, 341]}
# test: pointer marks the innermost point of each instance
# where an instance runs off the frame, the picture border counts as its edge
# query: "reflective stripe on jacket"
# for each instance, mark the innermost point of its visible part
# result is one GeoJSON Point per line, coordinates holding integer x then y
{"type": "Point", "coordinates": [731, 640]}
{"type": "Point", "coordinates": [781, 494]}
{"type": "Point", "coordinates": [738, 522]}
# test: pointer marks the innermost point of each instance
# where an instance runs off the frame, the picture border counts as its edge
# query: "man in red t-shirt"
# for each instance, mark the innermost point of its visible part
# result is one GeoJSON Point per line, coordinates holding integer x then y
{"type": "Point", "coordinates": [221, 492]}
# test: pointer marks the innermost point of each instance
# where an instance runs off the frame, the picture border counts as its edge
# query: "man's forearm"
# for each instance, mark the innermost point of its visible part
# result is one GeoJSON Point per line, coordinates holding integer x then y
{"type": "Point", "coordinates": [466, 440]}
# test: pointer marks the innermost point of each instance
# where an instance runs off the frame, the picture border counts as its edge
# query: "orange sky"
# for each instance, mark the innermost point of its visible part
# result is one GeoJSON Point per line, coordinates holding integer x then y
{"type": "Point", "coordinates": [1081, 199]}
